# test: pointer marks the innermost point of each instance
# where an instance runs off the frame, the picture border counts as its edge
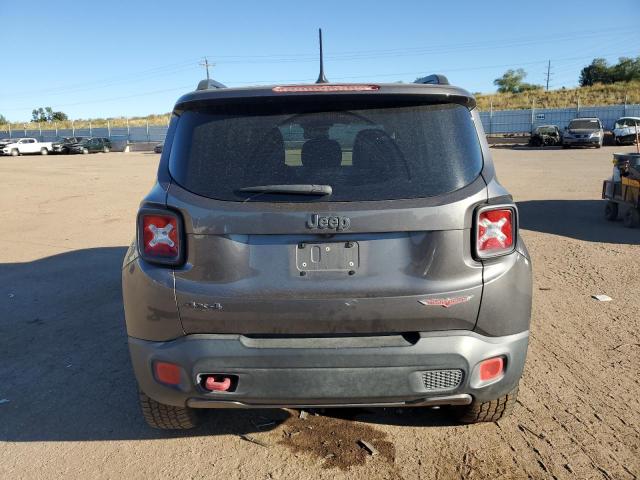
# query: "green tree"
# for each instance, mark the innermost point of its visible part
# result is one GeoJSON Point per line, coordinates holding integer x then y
{"type": "Point", "coordinates": [59, 117]}
{"type": "Point", "coordinates": [597, 72]}
{"type": "Point", "coordinates": [47, 115]}
{"type": "Point", "coordinates": [3, 120]}
{"type": "Point", "coordinates": [512, 81]}
{"type": "Point", "coordinates": [626, 70]}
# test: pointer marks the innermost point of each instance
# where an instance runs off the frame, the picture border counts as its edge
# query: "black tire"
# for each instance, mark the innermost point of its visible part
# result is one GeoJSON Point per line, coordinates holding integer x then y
{"type": "Point", "coordinates": [632, 218]}
{"type": "Point", "coordinates": [15, 152]}
{"type": "Point", "coordinates": [493, 411]}
{"type": "Point", "coordinates": [85, 151]}
{"type": "Point", "coordinates": [564, 145]}
{"type": "Point", "coordinates": [105, 150]}
{"type": "Point", "coordinates": [44, 151]}
{"type": "Point", "coordinates": [168, 417]}
{"type": "Point", "coordinates": [611, 211]}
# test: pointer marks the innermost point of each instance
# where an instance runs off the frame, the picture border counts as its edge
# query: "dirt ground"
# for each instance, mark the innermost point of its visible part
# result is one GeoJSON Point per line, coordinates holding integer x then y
{"type": "Point", "coordinates": [68, 404]}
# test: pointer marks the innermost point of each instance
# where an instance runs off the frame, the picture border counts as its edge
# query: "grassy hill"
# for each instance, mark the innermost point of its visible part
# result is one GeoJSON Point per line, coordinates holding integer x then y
{"type": "Point", "coordinates": [596, 95]}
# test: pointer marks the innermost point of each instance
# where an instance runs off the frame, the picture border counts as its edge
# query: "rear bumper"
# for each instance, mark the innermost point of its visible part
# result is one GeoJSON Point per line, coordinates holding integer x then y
{"type": "Point", "coordinates": [345, 371]}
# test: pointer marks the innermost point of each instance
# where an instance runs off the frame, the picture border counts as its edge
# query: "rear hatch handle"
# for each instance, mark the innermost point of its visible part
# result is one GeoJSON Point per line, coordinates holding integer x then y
{"type": "Point", "coordinates": [298, 189]}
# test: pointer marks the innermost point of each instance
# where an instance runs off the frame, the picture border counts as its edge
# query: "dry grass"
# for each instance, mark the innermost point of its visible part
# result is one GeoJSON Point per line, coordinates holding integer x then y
{"type": "Point", "coordinates": [596, 95]}
{"type": "Point", "coordinates": [154, 120]}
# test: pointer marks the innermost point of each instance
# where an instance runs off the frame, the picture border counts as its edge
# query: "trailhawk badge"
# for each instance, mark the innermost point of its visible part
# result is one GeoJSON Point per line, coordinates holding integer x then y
{"type": "Point", "coordinates": [446, 302]}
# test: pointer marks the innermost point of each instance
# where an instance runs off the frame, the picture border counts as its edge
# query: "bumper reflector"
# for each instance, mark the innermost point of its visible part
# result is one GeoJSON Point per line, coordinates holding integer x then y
{"type": "Point", "coordinates": [167, 373]}
{"type": "Point", "coordinates": [491, 369]}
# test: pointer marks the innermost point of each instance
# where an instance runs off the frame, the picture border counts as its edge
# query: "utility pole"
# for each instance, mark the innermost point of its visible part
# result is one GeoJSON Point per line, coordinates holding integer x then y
{"type": "Point", "coordinates": [548, 73]}
{"type": "Point", "coordinates": [206, 65]}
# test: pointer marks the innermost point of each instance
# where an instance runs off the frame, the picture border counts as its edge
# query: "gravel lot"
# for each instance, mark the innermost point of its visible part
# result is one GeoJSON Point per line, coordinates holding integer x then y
{"type": "Point", "coordinates": [72, 410]}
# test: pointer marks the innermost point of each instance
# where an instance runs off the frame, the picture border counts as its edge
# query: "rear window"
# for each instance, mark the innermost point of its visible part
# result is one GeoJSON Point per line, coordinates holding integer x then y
{"type": "Point", "coordinates": [362, 150]}
{"type": "Point", "coordinates": [584, 125]}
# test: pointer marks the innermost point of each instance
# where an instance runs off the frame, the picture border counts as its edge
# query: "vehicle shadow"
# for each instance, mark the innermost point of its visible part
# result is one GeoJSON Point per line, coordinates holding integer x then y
{"type": "Point", "coordinates": [578, 219]}
{"type": "Point", "coordinates": [65, 373]}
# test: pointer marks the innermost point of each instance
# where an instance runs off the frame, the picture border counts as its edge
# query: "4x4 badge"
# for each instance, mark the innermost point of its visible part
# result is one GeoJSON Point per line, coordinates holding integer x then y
{"type": "Point", "coordinates": [446, 302]}
{"type": "Point", "coordinates": [326, 221]}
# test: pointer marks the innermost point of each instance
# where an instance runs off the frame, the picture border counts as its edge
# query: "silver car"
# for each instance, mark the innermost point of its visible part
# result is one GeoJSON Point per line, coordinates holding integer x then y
{"type": "Point", "coordinates": [626, 130]}
{"type": "Point", "coordinates": [327, 245]}
{"type": "Point", "coordinates": [586, 132]}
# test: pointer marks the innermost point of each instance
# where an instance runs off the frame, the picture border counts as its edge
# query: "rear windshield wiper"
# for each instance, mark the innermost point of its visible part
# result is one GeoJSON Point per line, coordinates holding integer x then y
{"type": "Point", "coordinates": [301, 189]}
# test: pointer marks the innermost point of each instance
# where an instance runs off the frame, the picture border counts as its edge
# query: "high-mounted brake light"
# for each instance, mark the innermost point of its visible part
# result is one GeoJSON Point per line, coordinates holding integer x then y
{"type": "Point", "coordinates": [325, 88]}
{"type": "Point", "coordinates": [160, 236]}
{"type": "Point", "coordinates": [496, 228]}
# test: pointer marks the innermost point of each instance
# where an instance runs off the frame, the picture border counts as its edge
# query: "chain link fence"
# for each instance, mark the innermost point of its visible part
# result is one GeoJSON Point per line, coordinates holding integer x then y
{"type": "Point", "coordinates": [495, 122]}
{"type": "Point", "coordinates": [500, 122]}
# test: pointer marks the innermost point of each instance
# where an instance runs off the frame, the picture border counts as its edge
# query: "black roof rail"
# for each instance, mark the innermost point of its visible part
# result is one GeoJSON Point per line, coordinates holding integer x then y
{"type": "Point", "coordinates": [209, 84]}
{"type": "Point", "coordinates": [435, 79]}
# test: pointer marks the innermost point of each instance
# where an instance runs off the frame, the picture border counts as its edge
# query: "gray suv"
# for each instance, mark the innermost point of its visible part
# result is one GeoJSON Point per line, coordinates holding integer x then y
{"type": "Point", "coordinates": [327, 245]}
{"type": "Point", "coordinates": [583, 132]}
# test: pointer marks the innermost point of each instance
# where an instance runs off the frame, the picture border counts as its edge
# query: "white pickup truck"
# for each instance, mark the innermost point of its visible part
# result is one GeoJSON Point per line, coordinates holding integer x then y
{"type": "Point", "coordinates": [27, 145]}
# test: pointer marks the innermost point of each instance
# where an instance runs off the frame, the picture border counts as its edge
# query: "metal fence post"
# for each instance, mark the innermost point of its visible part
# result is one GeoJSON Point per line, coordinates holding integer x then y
{"type": "Point", "coordinates": [24, 125]}
{"type": "Point", "coordinates": [148, 138]}
{"type": "Point", "coordinates": [40, 131]}
{"type": "Point", "coordinates": [9, 129]}
{"type": "Point", "coordinates": [625, 106]}
{"type": "Point", "coordinates": [55, 124]}
{"type": "Point", "coordinates": [533, 113]}
{"type": "Point", "coordinates": [128, 131]}
{"type": "Point", "coordinates": [73, 128]}
{"type": "Point", "coordinates": [491, 116]}
{"type": "Point", "coordinates": [109, 129]}
{"type": "Point", "coordinates": [578, 109]}
{"type": "Point", "coordinates": [90, 130]}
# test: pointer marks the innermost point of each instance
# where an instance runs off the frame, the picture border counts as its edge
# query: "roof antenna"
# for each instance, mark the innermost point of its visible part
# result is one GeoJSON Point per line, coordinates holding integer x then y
{"type": "Point", "coordinates": [321, 77]}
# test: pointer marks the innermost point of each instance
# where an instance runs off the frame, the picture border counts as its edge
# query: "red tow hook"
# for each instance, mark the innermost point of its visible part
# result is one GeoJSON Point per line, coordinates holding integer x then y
{"type": "Point", "coordinates": [222, 384]}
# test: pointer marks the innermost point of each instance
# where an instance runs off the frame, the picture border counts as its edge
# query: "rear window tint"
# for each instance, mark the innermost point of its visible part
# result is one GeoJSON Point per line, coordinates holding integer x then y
{"type": "Point", "coordinates": [364, 152]}
{"type": "Point", "coordinates": [584, 124]}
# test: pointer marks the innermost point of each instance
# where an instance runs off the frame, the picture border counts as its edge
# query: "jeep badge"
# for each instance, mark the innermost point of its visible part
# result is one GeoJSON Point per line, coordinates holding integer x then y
{"type": "Point", "coordinates": [328, 222]}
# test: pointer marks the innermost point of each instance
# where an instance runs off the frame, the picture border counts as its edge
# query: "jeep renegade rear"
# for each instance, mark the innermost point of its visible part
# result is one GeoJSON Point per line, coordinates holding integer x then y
{"type": "Point", "coordinates": [327, 245]}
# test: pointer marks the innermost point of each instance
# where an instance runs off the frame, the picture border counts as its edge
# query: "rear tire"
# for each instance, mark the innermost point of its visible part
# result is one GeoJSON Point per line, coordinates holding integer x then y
{"type": "Point", "coordinates": [632, 218]}
{"type": "Point", "coordinates": [492, 411]}
{"type": "Point", "coordinates": [44, 151]}
{"type": "Point", "coordinates": [611, 211]}
{"type": "Point", "coordinates": [168, 417]}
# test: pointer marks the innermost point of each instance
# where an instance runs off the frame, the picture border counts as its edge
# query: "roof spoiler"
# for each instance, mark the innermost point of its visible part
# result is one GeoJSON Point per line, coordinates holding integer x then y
{"type": "Point", "coordinates": [208, 84]}
{"type": "Point", "coordinates": [435, 79]}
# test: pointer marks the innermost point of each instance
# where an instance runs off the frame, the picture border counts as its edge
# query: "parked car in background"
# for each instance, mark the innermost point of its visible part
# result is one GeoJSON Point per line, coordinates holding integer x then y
{"type": "Point", "coordinates": [625, 130]}
{"type": "Point", "coordinates": [6, 141]}
{"type": "Point", "coordinates": [91, 145]}
{"type": "Point", "coordinates": [587, 132]}
{"type": "Point", "coordinates": [23, 146]}
{"type": "Point", "coordinates": [62, 146]}
{"type": "Point", "coordinates": [545, 136]}
{"type": "Point", "coordinates": [158, 148]}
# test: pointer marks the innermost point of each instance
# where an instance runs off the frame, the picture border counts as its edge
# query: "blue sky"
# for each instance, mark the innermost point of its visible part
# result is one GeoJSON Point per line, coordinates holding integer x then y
{"type": "Point", "coordinates": [97, 59]}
